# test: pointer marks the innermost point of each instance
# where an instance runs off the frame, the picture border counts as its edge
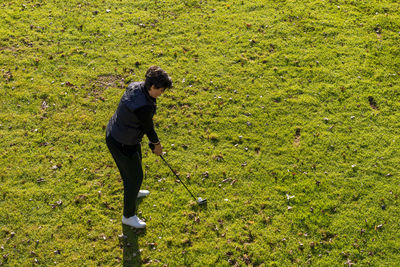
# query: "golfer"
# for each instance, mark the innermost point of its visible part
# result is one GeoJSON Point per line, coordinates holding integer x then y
{"type": "Point", "coordinates": [125, 130]}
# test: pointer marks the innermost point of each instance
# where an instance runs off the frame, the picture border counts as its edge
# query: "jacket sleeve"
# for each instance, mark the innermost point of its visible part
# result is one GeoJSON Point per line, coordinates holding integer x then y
{"type": "Point", "coordinates": [144, 115]}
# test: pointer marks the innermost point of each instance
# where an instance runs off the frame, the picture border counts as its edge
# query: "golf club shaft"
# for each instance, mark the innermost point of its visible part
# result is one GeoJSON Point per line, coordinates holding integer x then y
{"type": "Point", "coordinates": [178, 177]}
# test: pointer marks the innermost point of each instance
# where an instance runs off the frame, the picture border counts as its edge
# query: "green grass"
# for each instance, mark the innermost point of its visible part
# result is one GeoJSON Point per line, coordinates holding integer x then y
{"type": "Point", "coordinates": [271, 99]}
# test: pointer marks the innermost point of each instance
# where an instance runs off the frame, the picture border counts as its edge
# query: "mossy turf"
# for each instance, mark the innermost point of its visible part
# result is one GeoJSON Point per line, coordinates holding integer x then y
{"type": "Point", "coordinates": [284, 115]}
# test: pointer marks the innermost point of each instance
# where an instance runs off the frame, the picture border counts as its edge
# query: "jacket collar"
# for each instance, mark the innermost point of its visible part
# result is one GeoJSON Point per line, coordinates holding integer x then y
{"type": "Point", "coordinates": [146, 93]}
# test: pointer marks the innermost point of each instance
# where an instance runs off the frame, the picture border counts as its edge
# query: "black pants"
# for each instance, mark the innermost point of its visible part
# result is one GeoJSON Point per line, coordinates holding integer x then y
{"type": "Point", "coordinates": [129, 162]}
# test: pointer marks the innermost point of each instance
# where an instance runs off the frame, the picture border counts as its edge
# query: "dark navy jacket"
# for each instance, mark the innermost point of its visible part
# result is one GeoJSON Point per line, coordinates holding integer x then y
{"type": "Point", "coordinates": [124, 126]}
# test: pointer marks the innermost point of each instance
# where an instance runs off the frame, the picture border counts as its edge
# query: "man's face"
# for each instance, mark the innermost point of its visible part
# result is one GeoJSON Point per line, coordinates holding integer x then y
{"type": "Point", "coordinates": [156, 92]}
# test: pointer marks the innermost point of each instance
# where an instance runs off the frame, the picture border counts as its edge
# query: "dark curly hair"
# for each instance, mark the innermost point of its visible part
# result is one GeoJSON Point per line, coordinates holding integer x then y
{"type": "Point", "coordinates": [158, 77]}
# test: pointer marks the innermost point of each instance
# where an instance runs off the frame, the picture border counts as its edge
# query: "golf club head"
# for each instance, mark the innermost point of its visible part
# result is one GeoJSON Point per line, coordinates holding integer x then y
{"type": "Point", "coordinates": [201, 201]}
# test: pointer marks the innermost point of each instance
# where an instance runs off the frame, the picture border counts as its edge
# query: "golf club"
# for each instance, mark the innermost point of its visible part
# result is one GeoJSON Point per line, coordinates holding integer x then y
{"type": "Point", "coordinates": [199, 200]}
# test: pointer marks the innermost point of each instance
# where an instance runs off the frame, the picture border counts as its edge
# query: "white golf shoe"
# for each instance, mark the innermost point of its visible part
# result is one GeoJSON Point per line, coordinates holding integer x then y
{"type": "Point", "coordinates": [143, 193]}
{"type": "Point", "coordinates": [133, 221]}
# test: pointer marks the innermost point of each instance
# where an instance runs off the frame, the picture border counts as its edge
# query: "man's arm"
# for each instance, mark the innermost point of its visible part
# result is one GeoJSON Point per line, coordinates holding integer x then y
{"type": "Point", "coordinates": [144, 114]}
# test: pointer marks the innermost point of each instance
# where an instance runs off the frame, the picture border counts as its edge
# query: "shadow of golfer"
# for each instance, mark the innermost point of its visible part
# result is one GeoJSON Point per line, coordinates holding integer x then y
{"type": "Point", "coordinates": [130, 245]}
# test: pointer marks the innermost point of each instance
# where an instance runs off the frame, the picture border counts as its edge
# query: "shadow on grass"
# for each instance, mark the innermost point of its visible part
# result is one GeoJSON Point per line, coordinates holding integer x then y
{"type": "Point", "coordinates": [196, 207]}
{"type": "Point", "coordinates": [130, 245]}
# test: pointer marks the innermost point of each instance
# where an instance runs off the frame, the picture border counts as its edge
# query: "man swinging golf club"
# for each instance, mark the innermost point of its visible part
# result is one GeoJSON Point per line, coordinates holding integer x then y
{"type": "Point", "coordinates": [125, 130]}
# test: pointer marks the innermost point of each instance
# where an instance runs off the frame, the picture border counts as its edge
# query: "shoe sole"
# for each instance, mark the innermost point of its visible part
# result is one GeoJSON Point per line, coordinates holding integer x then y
{"type": "Point", "coordinates": [140, 227]}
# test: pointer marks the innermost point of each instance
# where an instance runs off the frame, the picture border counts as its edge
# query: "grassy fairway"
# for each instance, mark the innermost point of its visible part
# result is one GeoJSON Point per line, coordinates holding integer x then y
{"type": "Point", "coordinates": [285, 115]}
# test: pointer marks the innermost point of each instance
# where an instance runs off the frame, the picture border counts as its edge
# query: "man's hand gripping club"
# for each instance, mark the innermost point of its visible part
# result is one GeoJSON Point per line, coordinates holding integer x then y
{"type": "Point", "coordinates": [156, 148]}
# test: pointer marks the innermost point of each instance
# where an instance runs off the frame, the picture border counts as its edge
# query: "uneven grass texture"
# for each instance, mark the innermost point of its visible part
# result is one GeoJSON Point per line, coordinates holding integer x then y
{"type": "Point", "coordinates": [284, 115]}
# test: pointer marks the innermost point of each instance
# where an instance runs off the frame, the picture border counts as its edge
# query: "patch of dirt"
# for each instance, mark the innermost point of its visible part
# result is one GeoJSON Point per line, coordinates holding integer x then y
{"type": "Point", "coordinates": [13, 49]}
{"type": "Point", "coordinates": [8, 76]}
{"type": "Point", "coordinates": [103, 82]}
{"type": "Point", "coordinates": [109, 80]}
{"type": "Point", "coordinates": [297, 137]}
{"type": "Point", "coordinates": [372, 102]}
